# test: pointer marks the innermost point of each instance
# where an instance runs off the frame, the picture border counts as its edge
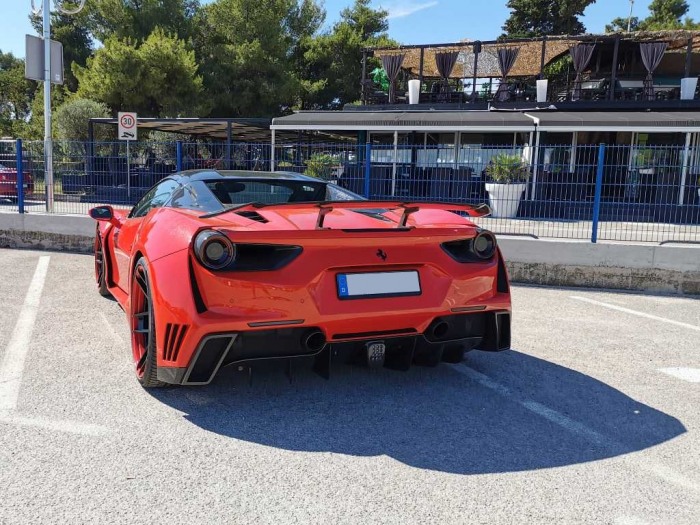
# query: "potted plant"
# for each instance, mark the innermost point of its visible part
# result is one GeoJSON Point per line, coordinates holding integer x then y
{"type": "Point", "coordinates": [508, 179]}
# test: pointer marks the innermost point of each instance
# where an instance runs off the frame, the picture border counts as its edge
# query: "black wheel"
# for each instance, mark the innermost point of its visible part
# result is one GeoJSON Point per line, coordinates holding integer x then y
{"type": "Point", "coordinates": [143, 331]}
{"type": "Point", "coordinates": [100, 268]}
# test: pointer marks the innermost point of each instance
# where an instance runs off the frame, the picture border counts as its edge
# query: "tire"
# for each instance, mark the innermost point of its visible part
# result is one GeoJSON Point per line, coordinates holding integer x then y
{"type": "Point", "coordinates": [143, 330]}
{"type": "Point", "coordinates": [100, 267]}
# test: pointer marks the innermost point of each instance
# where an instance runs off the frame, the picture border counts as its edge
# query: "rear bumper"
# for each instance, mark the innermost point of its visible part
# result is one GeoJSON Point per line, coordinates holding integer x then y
{"type": "Point", "coordinates": [446, 339]}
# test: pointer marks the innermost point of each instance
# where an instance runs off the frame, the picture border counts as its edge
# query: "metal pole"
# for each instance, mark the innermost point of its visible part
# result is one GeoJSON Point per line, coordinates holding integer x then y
{"type": "Point", "coordinates": [48, 145]}
{"type": "Point", "coordinates": [684, 172]}
{"type": "Point", "coordinates": [20, 176]}
{"type": "Point", "coordinates": [535, 166]}
{"type": "Point", "coordinates": [128, 171]}
{"type": "Point", "coordinates": [613, 76]}
{"type": "Point", "coordinates": [629, 19]}
{"type": "Point", "coordinates": [393, 169]}
{"type": "Point", "coordinates": [420, 70]}
{"type": "Point", "coordinates": [368, 167]}
{"type": "Point", "coordinates": [688, 57]}
{"type": "Point", "coordinates": [598, 192]}
{"type": "Point", "coordinates": [272, 153]}
{"type": "Point", "coordinates": [178, 156]}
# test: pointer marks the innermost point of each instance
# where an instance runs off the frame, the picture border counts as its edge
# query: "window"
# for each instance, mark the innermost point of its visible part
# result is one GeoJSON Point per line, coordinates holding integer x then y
{"type": "Point", "coordinates": [195, 196]}
{"type": "Point", "coordinates": [270, 191]}
{"type": "Point", "coordinates": [336, 193]}
{"type": "Point", "coordinates": [155, 198]}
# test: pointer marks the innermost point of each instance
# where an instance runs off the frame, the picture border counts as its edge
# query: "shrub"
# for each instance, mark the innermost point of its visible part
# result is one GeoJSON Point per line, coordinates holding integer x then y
{"type": "Point", "coordinates": [507, 169]}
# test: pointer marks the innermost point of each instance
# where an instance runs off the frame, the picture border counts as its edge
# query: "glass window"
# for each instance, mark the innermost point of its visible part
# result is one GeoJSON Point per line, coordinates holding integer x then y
{"type": "Point", "coordinates": [336, 193]}
{"type": "Point", "coordinates": [266, 191]}
{"type": "Point", "coordinates": [195, 196]}
{"type": "Point", "coordinates": [155, 198]}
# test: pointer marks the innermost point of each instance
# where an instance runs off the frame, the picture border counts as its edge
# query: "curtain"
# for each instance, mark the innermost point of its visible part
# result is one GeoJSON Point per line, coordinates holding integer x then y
{"type": "Point", "coordinates": [581, 55]}
{"type": "Point", "coordinates": [392, 66]}
{"type": "Point", "coordinates": [652, 53]}
{"type": "Point", "coordinates": [506, 60]}
{"type": "Point", "coordinates": [445, 62]}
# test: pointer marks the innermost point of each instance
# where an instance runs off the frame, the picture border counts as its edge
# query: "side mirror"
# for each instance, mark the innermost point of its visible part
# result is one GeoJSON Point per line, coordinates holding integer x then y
{"type": "Point", "coordinates": [102, 213]}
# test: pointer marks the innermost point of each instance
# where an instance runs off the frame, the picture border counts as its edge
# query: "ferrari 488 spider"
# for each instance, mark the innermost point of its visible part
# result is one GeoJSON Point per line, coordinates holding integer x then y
{"type": "Point", "coordinates": [215, 268]}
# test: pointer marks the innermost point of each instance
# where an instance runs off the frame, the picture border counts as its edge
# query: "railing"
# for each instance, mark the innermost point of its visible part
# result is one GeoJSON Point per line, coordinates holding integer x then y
{"type": "Point", "coordinates": [593, 192]}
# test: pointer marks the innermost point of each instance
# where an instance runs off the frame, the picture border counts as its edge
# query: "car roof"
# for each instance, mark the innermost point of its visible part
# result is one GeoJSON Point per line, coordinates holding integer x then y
{"type": "Point", "coordinates": [192, 175]}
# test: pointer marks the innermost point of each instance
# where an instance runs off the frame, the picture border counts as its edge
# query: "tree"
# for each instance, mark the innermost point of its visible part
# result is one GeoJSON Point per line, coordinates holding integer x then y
{"type": "Point", "coordinates": [136, 19]}
{"type": "Point", "coordinates": [532, 18]}
{"type": "Point", "coordinates": [663, 15]}
{"type": "Point", "coordinates": [16, 95]}
{"type": "Point", "coordinates": [621, 24]}
{"type": "Point", "coordinates": [157, 78]}
{"type": "Point", "coordinates": [335, 58]}
{"type": "Point", "coordinates": [71, 119]}
{"type": "Point", "coordinates": [246, 48]}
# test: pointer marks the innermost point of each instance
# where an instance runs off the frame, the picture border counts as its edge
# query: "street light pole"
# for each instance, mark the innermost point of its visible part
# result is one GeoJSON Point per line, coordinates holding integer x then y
{"type": "Point", "coordinates": [48, 144]}
{"type": "Point", "coordinates": [46, 34]}
{"type": "Point", "coordinates": [629, 19]}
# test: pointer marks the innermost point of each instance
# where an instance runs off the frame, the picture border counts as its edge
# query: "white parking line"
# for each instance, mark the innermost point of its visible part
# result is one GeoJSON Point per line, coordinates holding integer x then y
{"type": "Point", "coordinates": [12, 366]}
{"type": "Point", "coordinates": [635, 312]}
{"type": "Point", "coordinates": [692, 375]}
{"type": "Point", "coordinates": [70, 427]}
{"type": "Point", "coordinates": [613, 447]}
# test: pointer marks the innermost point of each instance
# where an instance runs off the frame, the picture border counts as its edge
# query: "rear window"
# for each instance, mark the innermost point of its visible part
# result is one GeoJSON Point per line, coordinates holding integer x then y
{"type": "Point", "coordinates": [266, 191]}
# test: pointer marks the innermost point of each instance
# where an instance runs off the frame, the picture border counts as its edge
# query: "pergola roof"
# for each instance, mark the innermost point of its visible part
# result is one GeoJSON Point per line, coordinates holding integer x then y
{"type": "Point", "coordinates": [242, 129]}
{"type": "Point", "coordinates": [529, 58]}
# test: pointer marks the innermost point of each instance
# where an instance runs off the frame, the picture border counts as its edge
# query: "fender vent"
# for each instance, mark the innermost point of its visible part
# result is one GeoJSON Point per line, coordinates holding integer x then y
{"type": "Point", "coordinates": [253, 216]}
{"type": "Point", "coordinates": [174, 334]}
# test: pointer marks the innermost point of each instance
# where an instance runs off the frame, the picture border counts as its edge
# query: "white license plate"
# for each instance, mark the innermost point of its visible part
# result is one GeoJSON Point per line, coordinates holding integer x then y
{"type": "Point", "coordinates": [378, 284]}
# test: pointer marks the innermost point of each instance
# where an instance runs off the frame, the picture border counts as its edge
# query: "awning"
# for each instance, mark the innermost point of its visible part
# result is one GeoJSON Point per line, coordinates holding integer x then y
{"type": "Point", "coordinates": [390, 121]}
{"type": "Point", "coordinates": [242, 129]}
{"type": "Point", "coordinates": [634, 121]}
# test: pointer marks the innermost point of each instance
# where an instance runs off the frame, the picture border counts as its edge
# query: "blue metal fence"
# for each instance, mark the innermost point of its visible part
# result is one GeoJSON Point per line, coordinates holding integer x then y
{"type": "Point", "coordinates": [594, 192]}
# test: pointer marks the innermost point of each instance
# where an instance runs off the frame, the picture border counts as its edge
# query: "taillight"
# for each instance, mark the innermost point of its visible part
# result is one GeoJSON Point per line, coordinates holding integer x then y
{"type": "Point", "coordinates": [214, 250]}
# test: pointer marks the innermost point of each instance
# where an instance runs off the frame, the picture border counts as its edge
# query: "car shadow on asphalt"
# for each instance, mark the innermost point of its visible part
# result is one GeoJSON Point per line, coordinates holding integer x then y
{"type": "Point", "coordinates": [432, 418]}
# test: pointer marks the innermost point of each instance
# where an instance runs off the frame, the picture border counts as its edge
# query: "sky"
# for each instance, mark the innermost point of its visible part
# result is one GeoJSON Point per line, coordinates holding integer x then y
{"type": "Point", "coordinates": [410, 21]}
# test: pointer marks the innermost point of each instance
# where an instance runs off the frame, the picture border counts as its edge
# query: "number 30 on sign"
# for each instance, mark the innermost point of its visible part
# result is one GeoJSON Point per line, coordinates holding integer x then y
{"type": "Point", "coordinates": [128, 130]}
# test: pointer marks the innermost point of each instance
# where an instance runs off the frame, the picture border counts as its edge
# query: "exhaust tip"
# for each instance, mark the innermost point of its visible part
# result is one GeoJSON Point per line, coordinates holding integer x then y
{"type": "Point", "coordinates": [439, 330]}
{"type": "Point", "coordinates": [313, 341]}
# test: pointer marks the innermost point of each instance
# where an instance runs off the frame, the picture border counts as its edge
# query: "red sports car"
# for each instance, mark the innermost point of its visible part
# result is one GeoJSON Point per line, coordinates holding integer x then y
{"type": "Point", "coordinates": [8, 182]}
{"type": "Point", "coordinates": [215, 268]}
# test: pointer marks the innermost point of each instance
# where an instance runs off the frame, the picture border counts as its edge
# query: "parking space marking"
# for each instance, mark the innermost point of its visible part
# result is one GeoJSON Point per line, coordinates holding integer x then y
{"type": "Point", "coordinates": [69, 427]}
{"type": "Point", "coordinates": [635, 312]}
{"type": "Point", "coordinates": [118, 339]}
{"type": "Point", "coordinates": [692, 375]}
{"type": "Point", "coordinates": [613, 447]}
{"type": "Point", "coordinates": [12, 366]}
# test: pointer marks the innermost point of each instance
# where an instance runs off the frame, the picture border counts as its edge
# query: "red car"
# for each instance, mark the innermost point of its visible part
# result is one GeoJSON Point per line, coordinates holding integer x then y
{"type": "Point", "coordinates": [8, 182]}
{"type": "Point", "coordinates": [215, 268]}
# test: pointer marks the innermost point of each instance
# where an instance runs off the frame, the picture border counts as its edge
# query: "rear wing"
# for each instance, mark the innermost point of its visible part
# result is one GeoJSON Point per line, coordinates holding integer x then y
{"type": "Point", "coordinates": [405, 208]}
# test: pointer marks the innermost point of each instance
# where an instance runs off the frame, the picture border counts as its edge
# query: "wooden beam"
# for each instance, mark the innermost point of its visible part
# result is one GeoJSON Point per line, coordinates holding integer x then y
{"type": "Point", "coordinates": [613, 75]}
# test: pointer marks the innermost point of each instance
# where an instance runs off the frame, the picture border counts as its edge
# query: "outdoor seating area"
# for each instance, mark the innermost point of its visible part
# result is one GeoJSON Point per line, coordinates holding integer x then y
{"type": "Point", "coordinates": [617, 68]}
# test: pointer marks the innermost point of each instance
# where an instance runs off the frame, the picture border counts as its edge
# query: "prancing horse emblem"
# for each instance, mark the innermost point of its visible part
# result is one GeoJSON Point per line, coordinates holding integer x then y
{"type": "Point", "coordinates": [381, 254]}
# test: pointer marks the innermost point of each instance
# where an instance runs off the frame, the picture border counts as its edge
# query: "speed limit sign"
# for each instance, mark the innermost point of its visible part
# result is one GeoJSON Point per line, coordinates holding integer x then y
{"type": "Point", "coordinates": [127, 126]}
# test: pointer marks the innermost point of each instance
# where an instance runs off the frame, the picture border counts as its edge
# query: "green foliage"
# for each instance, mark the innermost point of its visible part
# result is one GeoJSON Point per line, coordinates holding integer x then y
{"type": "Point", "coordinates": [15, 96]}
{"type": "Point", "coordinates": [336, 56]}
{"type": "Point", "coordinates": [532, 18]}
{"type": "Point", "coordinates": [645, 158]}
{"type": "Point", "coordinates": [156, 79]}
{"type": "Point", "coordinates": [71, 119]}
{"type": "Point", "coordinates": [506, 168]}
{"type": "Point", "coordinates": [663, 15]}
{"type": "Point", "coordinates": [559, 67]}
{"type": "Point", "coordinates": [320, 165]}
{"type": "Point", "coordinates": [137, 19]}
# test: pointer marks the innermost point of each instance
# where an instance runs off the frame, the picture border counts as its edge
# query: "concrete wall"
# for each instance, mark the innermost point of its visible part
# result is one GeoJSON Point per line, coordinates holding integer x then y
{"type": "Point", "coordinates": [646, 267]}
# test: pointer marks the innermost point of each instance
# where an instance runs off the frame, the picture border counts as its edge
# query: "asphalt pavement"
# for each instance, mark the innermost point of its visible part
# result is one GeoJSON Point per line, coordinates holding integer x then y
{"type": "Point", "coordinates": [591, 418]}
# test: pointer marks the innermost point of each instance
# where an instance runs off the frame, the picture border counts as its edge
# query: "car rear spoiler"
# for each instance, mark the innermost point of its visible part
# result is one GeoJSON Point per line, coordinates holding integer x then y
{"type": "Point", "coordinates": [406, 208]}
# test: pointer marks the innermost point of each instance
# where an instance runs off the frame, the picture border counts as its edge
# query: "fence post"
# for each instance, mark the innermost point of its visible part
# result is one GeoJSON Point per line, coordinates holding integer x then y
{"type": "Point", "coordinates": [178, 155]}
{"type": "Point", "coordinates": [20, 175]}
{"type": "Point", "coordinates": [598, 192]}
{"type": "Point", "coordinates": [368, 167]}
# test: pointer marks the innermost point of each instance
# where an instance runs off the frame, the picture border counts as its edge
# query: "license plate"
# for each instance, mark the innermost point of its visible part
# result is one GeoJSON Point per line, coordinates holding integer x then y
{"type": "Point", "coordinates": [378, 284]}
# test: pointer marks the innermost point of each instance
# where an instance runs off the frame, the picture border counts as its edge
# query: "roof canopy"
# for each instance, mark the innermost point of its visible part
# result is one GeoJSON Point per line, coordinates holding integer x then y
{"type": "Point", "coordinates": [638, 121]}
{"type": "Point", "coordinates": [405, 121]}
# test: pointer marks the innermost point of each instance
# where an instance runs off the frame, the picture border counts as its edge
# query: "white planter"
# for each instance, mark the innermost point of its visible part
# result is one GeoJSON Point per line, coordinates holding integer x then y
{"type": "Point", "coordinates": [505, 198]}
{"type": "Point", "coordinates": [413, 91]}
{"type": "Point", "coordinates": [542, 90]}
{"type": "Point", "coordinates": [688, 87]}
